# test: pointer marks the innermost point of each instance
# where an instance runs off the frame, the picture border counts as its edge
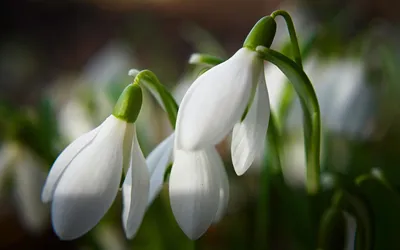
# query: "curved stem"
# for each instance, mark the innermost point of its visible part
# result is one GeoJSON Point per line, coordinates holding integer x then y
{"type": "Point", "coordinates": [311, 113]}
{"type": "Point", "coordinates": [287, 93]}
{"type": "Point", "coordinates": [165, 98]}
{"type": "Point", "coordinates": [292, 34]}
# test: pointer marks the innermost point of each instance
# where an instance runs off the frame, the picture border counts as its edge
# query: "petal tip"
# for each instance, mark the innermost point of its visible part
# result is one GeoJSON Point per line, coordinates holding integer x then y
{"type": "Point", "coordinates": [129, 234]}
{"type": "Point", "coordinates": [194, 236]}
{"type": "Point", "coordinates": [193, 233]}
{"type": "Point", "coordinates": [65, 235]}
{"type": "Point", "coordinates": [240, 164]}
{"type": "Point", "coordinates": [240, 171]}
{"type": "Point", "coordinates": [45, 198]}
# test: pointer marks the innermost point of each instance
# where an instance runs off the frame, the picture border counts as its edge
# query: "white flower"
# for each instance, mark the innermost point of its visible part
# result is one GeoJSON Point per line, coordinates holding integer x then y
{"type": "Point", "coordinates": [85, 178]}
{"type": "Point", "coordinates": [198, 189]}
{"type": "Point", "coordinates": [215, 104]}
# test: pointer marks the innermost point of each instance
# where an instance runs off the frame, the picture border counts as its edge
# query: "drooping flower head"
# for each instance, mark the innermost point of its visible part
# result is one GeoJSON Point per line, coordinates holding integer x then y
{"type": "Point", "coordinates": [219, 99]}
{"type": "Point", "coordinates": [230, 96]}
{"type": "Point", "coordinates": [84, 180]}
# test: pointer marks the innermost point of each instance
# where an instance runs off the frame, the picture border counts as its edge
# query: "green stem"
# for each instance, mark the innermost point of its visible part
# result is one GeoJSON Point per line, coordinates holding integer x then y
{"type": "Point", "coordinates": [151, 82]}
{"type": "Point", "coordinates": [287, 93]}
{"type": "Point", "coordinates": [311, 112]}
{"type": "Point", "coordinates": [292, 34]}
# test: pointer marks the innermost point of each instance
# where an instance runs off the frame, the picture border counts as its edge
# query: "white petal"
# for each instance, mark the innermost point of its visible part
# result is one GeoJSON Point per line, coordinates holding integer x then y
{"type": "Point", "coordinates": [217, 100]}
{"type": "Point", "coordinates": [135, 191]}
{"type": "Point", "coordinates": [157, 162]}
{"type": "Point", "coordinates": [248, 137]}
{"type": "Point", "coordinates": [90, 183]}
{"type": "Point", "coordinates": [130, 133]}
{"type": "Point", "coordinates": [63, 160]}
{"type": "Point", "coordinates": [224, 186]}
{"type": "Point", "coordinates": [194, 190]}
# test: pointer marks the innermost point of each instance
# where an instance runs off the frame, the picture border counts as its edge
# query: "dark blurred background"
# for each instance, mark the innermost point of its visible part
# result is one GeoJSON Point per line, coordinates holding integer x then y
{"type": "Point", "coordinates": [64, 63]}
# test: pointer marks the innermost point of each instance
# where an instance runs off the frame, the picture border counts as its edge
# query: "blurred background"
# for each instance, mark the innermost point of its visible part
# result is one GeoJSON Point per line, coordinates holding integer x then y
{"type": "Point", "coordinates": [63, 65]}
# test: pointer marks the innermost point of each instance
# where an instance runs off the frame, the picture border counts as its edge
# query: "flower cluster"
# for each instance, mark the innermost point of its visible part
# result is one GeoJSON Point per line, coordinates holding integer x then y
{"type": "Point", "coordinates": [230, 97]}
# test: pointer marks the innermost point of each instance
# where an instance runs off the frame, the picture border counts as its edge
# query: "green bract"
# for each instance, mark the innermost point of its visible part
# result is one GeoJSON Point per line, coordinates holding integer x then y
{"type": "Point", "coordinates": [262, 33]}
{"type": "Point", "coordinates": [129, 103]}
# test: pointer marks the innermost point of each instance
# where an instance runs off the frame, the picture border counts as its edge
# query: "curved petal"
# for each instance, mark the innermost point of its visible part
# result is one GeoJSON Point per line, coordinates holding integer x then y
{"type": "Point", "coordinates": [216, 101]}
{"type": "Point", "coordinates": [63, 160]}
{"type": "Point", "coordinates": [157, 162]}
{"type": "Point", "coordinates": [89, 185]}
{"type": "Point", "coordinates": [194, 190]}
{"type": "Point", "coordinates": [248, 137]}
{"type": "Point", "coordinates": [223, 188]}
{"type": "Point", "coordinates": [135, 191]}
{"type": "Point", "coordinates": [130, 133]}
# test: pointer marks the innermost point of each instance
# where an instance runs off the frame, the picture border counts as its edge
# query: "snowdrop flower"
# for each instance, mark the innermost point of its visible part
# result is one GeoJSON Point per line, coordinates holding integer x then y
{"type": "Point", "coordinates": [214, 105]}
{"type": "Point", "coordinates": [85, 178]}
{"type": "Point", "coordinates": [217, 101]}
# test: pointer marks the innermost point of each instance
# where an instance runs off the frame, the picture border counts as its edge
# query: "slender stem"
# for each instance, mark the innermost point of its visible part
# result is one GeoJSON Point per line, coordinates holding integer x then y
{"type": "Point", "coordinates": [287, 96]}
{"type": "Point", "coordinates": [311, 112]}
{"type": "Point", "coordinates": [292, 34]}
{"type": "Point", "coordinates": [151, 81]}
